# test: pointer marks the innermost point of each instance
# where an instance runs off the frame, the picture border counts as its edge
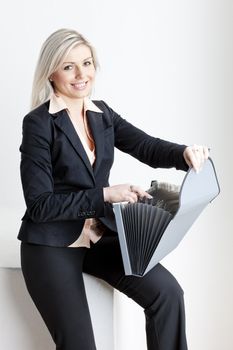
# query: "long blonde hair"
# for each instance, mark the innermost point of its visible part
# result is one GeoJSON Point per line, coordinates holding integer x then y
{"type": "Point", "coordinates": [53, 51]}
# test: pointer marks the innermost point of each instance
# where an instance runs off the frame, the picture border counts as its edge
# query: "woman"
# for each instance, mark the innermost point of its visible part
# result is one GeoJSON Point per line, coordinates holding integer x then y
{"type": "Point", "coordinates": [66, 156]}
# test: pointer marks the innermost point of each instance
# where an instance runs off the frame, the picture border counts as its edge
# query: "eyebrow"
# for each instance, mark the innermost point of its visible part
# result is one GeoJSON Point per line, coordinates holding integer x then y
{"type": "Point", "coordinates": [88, 58]}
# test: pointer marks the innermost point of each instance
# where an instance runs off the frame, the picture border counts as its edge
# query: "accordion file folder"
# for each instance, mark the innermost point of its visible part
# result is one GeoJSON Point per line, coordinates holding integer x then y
{"type": "Point", "coordinates": [149, 230]}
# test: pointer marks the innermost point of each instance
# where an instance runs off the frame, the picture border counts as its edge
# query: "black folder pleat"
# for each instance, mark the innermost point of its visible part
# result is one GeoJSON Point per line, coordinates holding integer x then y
{"type": "Point", "coordinates": [144, 225]}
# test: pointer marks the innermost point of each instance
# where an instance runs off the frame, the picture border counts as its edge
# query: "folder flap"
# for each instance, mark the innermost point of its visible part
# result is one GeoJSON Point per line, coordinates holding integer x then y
{"type": "Point", "coordinates": [197, 191]}
{"type": "Point", "coordinates": [199, 187]}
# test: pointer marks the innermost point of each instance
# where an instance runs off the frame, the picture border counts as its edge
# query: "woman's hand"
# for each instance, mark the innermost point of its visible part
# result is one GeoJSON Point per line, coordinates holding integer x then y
{"type": "Point", "coordinates": [124, 193]}
{"type": "Point", "coordinates": [195, 156]}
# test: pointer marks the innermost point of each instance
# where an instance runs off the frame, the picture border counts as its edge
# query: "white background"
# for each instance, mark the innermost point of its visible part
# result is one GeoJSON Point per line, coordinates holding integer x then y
{"type": "Point", "coordinates": [166, 66]}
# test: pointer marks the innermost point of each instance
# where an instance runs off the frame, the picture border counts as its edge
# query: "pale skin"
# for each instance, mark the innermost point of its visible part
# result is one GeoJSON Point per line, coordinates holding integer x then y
{"type": "Point", "coordinates": [73, 81]}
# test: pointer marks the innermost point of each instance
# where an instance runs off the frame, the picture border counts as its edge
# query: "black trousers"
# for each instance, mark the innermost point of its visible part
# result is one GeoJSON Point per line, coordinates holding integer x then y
{"type": "Point", "coordinates": [54, 280]}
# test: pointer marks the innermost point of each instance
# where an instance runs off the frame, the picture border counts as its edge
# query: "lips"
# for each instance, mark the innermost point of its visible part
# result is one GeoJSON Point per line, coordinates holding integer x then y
{"type": "Point", "coordinates": [80, 86]}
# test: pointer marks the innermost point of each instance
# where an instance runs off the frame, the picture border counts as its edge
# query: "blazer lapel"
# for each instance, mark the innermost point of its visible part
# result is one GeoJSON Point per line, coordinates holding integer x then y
{"type": "Point", "coordinates": [95, 122]}
{"type": "Point", "coordinates": [62, 120]}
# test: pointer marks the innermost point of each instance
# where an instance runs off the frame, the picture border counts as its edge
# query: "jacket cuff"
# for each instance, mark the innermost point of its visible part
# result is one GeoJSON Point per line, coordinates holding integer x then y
{"type": "Point", "coordinates": [179, 157]}
{"type": "Point", "coordinates": [94, 207]}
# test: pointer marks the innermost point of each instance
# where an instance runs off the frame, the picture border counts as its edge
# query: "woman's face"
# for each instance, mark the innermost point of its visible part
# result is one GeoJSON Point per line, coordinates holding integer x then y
{"type": "Point", "coordinates": [76, 75]}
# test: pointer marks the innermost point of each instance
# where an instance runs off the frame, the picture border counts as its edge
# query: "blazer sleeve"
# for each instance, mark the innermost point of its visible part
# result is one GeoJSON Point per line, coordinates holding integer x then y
{"type": "Point", "coordinates": [152, 151]}
{"type": "Point", "coordinates": [43, 204]}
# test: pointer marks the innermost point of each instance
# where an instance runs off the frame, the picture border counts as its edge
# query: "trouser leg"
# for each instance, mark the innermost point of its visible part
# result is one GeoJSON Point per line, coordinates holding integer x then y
{"type": "Point", "coordinates": [157, 292]}
{"type": "Point", "coordinates": [165, 316]}
{"type": "Point", "coordinates": [54, 280]}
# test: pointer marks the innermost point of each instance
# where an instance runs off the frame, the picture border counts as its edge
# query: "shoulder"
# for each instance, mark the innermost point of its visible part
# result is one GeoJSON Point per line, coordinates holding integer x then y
{"type": "Point", "coordinates": [103, 106]}
{"type": "Point", "coordinates": [38, 120]}
{"type": "Point", "coordinates": [39, 113]}
{"type": "Point", "coordinates": [108, 112]}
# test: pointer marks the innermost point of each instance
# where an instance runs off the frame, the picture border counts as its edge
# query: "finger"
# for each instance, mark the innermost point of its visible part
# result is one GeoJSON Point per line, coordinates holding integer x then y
{"type": "Point", "coordinates": [140, 192]}
{"type": "Point", "coordinates": [199, 156]}
{"type": "Point", "coordinates": [132, 197]}
{"type": "Point", "coordinates": [206, 151]}
{"type": "Point", "coordinates": [202, 154]}
{"type": "Point", "coordinates": [195, 156]}
{"type": "Point", "coordinates": [191, 157]}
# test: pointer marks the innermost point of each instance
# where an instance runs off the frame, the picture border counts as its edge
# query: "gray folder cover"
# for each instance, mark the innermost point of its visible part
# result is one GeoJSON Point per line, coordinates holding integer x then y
{"type": "Point", "coordinates": [196, 191]}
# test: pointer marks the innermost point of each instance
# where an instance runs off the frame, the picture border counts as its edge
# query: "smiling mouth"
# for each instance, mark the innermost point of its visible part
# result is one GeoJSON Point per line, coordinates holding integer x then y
{"type": "Point", "coordinates": [80, 86]}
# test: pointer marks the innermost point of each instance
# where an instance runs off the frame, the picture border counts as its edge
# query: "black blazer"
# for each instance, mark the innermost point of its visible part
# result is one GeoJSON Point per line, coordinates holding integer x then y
{"type": "Point", "coordinates": [61, 188]}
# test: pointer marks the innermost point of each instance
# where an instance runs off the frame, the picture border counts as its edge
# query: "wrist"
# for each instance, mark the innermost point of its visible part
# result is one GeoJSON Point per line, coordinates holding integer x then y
{"type": "Point", "coordinates": [106, 194]}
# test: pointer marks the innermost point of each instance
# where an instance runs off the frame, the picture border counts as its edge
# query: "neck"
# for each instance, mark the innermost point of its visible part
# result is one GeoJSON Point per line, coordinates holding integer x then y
{"type": "Point", "coordinates": [75, 105]}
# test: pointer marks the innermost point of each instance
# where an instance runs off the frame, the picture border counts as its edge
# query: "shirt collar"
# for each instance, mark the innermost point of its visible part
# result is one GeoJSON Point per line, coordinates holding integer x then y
{"type": "Point", "coordinates": [57, 104]}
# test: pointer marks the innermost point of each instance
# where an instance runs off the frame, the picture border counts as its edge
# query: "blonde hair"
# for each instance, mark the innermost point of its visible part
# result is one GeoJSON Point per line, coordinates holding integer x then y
{"type": "Point", "coordinates": [53, 51]}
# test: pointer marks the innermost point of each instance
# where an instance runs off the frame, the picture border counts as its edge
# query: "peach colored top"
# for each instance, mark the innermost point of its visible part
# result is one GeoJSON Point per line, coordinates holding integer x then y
{"type": "Point", "coordinates": [89, 233]}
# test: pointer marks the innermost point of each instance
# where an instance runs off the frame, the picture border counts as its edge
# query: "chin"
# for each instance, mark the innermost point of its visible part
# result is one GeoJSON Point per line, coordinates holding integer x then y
{"type": "Point", "coordinates": [83, 95]}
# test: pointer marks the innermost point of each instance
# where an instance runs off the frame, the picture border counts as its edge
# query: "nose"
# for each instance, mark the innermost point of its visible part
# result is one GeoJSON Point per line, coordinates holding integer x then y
{"type": "Point", "coordinates": [79, 71]}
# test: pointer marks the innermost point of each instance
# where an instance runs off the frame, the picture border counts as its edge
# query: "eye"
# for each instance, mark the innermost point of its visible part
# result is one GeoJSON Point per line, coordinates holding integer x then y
{"type": "Point", "coordinates": [87, 63]}
{"type": "Point", "coordinates": [68, 67]}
